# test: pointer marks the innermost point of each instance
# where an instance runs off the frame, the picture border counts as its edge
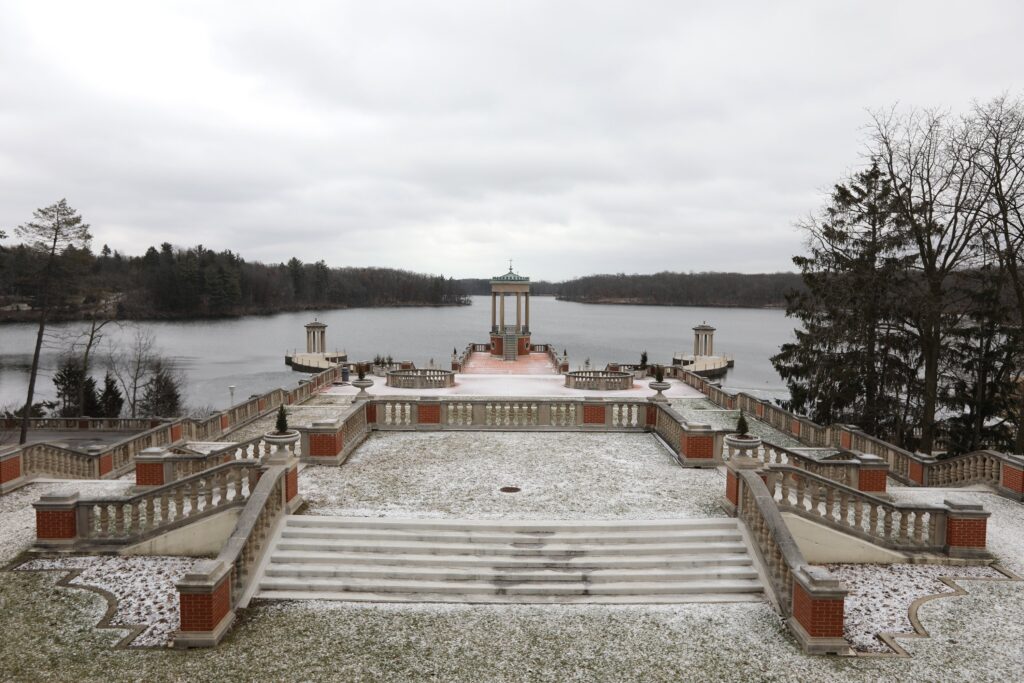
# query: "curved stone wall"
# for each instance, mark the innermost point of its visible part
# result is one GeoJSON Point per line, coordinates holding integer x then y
{"type": "Point", "coordinates": [421, 379]}
{"type": "Point", "coordinates": [599, 380]}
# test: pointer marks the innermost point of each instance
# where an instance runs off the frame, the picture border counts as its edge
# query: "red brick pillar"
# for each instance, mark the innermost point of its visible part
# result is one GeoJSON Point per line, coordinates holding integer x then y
{"type": "Point", "coordinates": [966, 529]}
{"type": "Point", "coordinates": [152, 468]}
{"type": "Point", "coordinates": [56, 520]}
{"type": "Point", "coordinates": [206, 609]}
{"type": "Point", "coordinates": [872, 473]}
{"type": "Point", "coordinates": [818, 607]}
{"type": "Point", "coordinates": [734, 483]}
{"type": "Point", "coordinates": [10, 470]}
{"type": "Point", "coordinates": [322, 440]}
{"type": "Point", "coordinates": [428, 413]}
{"type": "Point", "coordinates": [697, 445]}
{"type": "Point", "coordinates": [594, 413]}
{"type": "Point", "coordinates": [1011, 476]}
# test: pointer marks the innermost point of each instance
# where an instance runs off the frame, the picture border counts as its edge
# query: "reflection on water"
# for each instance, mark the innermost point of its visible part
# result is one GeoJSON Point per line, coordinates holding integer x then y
{"type": "Point", "coordinates": [249, 352]}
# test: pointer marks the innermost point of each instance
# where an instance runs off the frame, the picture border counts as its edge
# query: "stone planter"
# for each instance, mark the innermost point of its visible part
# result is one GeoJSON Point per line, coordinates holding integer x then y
{"type": "Point", "coordinates": [659, 387]}
{"type": "Point", "coordinates": [362, 385]}
{"type": "Point", "coordinates": [742, 446]}
{"type": "Point", "coordinates": [281, 442]}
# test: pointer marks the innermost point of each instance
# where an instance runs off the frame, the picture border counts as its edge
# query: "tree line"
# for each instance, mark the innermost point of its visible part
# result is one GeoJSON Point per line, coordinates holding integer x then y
{"type": "Point", "coordinates": [170, 282]}
{"type": "Point", "coordinates": [913, 300]}
{"type": "Point", "coordinates": [763, 290]}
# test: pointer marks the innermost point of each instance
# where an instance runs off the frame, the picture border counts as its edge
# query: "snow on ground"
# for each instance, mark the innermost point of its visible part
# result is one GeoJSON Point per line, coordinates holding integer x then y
{"type": "Point", "coordinates": [563, 475]}
{"type": "Point", "coordinates": [1005, 529]}
{"type": "Point", "coordinates": [703, 410]}
{"type": "Point", "coordinates": [881, 595]}
{"type": "Point", "coordinates": [18, 517]}
{"type": "Point", "coordinates": [301, 415]}
{"type": "Point", "coordinates": [144, 588]}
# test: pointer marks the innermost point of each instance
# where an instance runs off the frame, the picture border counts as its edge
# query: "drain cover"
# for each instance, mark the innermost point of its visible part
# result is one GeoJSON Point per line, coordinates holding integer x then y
{"type": "Point", "coordinates": [510, 489]}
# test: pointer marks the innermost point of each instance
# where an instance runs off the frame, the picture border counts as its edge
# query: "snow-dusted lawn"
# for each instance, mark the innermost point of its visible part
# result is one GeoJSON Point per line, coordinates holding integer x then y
{"type": "Point", "coordinates": [18, 517]}
{"type": "Point", "coordinates": [144, 588]}
{"type": "Point", "coordinates": [881, 595]}
{"type": "Point", "coordinates": [562, 476]}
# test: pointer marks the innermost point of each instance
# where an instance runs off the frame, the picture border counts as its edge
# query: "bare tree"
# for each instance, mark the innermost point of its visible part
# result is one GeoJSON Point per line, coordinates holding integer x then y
{"type": "Point", "coordinates": [133, 365]}
{"type": "Point", "coordinates": [934, 171]}
{"type": "Point", "coordinates": [53, 230]}
{"type": "Point", "coordinates": [998, 127]}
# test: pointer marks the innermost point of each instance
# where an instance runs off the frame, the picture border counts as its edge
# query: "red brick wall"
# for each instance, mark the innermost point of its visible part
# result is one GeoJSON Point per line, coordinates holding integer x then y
{"type": "Point", "coordinates": [759, 410]}
{"type": "Point", "coordinates": [149, 474]}
{"type": "Point", "coordinates": [524, 346]}
{"type": "Point", "coordinates": [845, 439]}
{"type": "Point", "coordinates": [262, 404]}
{"type": "Point", "coordinates": [175, 433]}
{"type": "Point", "coordinates": [916, 472]}
{"type": "Point", "coordinates": [430, 413]}
{"type": "Point", "coordinates": [593, 415]}
{"type": "Point", "coordinates": [1013, 478]}
{"type": "Point", "coordinates": [693, 446]}
{"type": "Point", "coordinates": [371, 413]}
{"type": "Point", "coordinates": [291, 483]}
{"type": "Point", "coordinates": [52, 524]}
{"type": "Point", "coordinates": [224, 422]}
{"type": "Point", "coordinates": [966, 533]}
{"type": "Point", "coordinates": [820, 618]}
{"type": "Point", "coordinates": [325, 445]}
{"type": "Point", "coordinates": [10, 469]}
{"type": "Point", "coordinates": [794, 427]}
{"type": "Point", "coordinates": [203, 611]}
{"type": "Point", "coordinates": [106, 463]}
{"type": "Point", "coordinates": [652, 415]}
{"type": "Point", "coordinates": [871, 480]}
{"type": "Point", "coordinates": [732, 487]}
{"type": "Point", "coordinates": [496, 345]}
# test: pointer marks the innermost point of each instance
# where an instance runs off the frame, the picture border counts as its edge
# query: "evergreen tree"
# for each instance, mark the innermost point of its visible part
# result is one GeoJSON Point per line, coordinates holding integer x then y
{"type": "Point", "coordinates": [72, 383]}
{"type": "Point", "coordinates": [162, 395]}
{"type": "Point", "coordinates": [111, 400]}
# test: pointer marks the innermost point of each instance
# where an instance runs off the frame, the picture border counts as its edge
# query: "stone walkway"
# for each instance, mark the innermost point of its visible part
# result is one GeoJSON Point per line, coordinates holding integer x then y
{"type": "Point", "coordinates": [482, 363]}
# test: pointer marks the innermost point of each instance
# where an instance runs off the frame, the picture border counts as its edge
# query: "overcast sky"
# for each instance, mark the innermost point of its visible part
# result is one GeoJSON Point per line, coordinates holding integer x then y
{"type": "Point", "coordinates": [573, 137]}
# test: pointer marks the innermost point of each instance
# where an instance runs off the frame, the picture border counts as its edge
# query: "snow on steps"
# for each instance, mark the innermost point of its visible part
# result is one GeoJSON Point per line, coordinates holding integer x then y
{"type": "Point", "coordinates": [432, 560]}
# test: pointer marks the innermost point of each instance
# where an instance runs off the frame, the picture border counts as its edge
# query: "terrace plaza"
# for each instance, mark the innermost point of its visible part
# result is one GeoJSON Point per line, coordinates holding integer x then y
{"type": "Point", "coordinates": [508, 518]}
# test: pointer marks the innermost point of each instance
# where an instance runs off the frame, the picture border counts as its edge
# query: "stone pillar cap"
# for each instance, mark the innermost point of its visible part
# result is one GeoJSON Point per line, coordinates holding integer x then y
{"type": "Point", "coordinates": [963, 507]}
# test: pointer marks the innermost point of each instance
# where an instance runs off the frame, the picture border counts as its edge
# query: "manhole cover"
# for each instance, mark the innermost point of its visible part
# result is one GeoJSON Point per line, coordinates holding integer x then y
{"type": "Point", "coordinates": [510, 489]}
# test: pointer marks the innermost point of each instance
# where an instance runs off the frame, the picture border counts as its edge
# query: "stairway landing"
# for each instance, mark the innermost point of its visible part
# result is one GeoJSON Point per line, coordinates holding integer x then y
{"type": "Point", "coordinates": [483, 363]}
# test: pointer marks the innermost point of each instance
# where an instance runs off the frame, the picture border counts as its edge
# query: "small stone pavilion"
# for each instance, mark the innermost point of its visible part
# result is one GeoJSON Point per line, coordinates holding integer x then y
{"type": "Point", "coordinates": [510, 341]}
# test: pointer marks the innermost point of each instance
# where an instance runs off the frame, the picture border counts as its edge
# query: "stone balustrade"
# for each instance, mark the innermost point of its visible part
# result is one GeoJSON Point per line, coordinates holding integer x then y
{"type": "Point", "coordinates": [215, 589]}
{"type": "Point", "coordinates": [110, 522]}
{"type": "Point", "coordinates": [599, 380]}
{"type": "Point", "coordinates": [808, 597]}
{"type": "Point", "coordinates": [427, 378]}
{"type": "Point", "coordinates": [890, 525]}
{"type": "Point", "coordinates": [864, 472]}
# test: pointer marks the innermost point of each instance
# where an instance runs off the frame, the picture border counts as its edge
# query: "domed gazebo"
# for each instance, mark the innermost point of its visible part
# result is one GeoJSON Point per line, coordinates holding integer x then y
{"type": "Point", "coordinates": [510, 341]}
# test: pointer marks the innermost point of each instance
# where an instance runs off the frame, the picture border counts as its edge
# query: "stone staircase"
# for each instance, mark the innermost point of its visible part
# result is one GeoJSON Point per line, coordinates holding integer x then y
{"type": "Point", "coordinates": [510, 347]}
{"type": "Point", "coordinates": [431, 560]}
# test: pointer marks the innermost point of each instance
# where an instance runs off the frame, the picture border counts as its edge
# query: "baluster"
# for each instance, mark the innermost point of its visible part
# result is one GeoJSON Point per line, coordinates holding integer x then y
{"type": "Point", "coordinates": [873, 519]}
{"type": "Point", "coordinates": [104, 528]}
{"type": "Point", "coordinates": [903, 526]}
{"type": "Point", "coordinates": [844, 508]}
{"type": "Point", "coordinates": [887, 525]}
{"type": "Point", "coordinates": [918, 527]}
{"type": "Point", "coordinates": [858, 514]}
{"type": "Point", "coordinates": [829, 511]}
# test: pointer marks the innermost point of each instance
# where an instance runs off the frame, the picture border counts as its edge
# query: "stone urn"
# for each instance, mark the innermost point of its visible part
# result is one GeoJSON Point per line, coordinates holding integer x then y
{"type": "Point", "coordinates": [742, 445]}
{"type": "Point", "coordinates": [362, 385]}
{"type": "Point", "coordinates": [660, 387]}
{"type": "Point", "coordinates": [279, 442]}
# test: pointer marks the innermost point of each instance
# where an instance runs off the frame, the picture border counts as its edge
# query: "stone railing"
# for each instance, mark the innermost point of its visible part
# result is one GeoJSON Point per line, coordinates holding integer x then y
{"type": "Point", "coordinates": [421, 379]}
{"type": "Point", "coordinates": [98, 523]}
{"type": "Point", "coordinates": [19, 465]}
{"type": "Point", "coordinates": [101, 424]}
{"type": "Point", "coordinates": [864, 472]}
{"type": "Point", "coordinates": [212, 593]}
{"type": "Point", "coordinates": [332, 441]}
{"type": "Point", "coordinates": [808, 597]}
{"type": "Point", "coordinates": [603, 380]}
{"type": "Point", "coordinates": [931, 528]}
{"type": "Point", "coordinates": [158, 466]}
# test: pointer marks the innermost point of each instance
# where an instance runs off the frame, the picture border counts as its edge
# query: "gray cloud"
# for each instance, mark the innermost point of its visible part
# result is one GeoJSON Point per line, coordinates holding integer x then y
{"type": "Point", "coordinates": [575, 137]}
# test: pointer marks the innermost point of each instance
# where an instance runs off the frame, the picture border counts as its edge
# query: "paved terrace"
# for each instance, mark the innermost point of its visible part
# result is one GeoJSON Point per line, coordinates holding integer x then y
{"type": "Point", "coordinates": [518, 385]}
{"type": "Point", "coordinates": [483, 363]}
{"type": "Point", "coordinates": [78, 440]}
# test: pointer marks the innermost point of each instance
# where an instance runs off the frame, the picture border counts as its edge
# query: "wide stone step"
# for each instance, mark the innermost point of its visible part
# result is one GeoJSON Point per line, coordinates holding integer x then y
{"type": "Point", "coordinates": [509, 575]}
{"type": "Point", "coordinates": [550, 588]}
{"type": "Point", "coordinates": [571, 526]}
{"type": "Point", "coordinates": [591, 562]}
{"type": "Point", "coordinates": [355, 596]}
{"type": "Point", "coordinates": [521, 549]}
{"type": "Point", "coordinates": [513, 537]}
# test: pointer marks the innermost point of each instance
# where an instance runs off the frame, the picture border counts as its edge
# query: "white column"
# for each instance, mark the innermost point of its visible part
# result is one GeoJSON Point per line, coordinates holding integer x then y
{"type": "Point", "coordinates": [527, 311]}
{"type": "Point", "coordinates": [502, 312]}
{"type": "Point", "coordinates": [519, 312]}
{"type": "Point", "coordinates": [494, 300]}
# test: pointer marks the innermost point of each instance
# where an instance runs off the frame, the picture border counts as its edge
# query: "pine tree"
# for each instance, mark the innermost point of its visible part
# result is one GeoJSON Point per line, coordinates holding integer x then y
{"type": "Point", "coordinates": [72, 384]}
{"type": "Point", "coordinates": [162, 395]}
{"type": "Point", "coordinates": [111, 400]}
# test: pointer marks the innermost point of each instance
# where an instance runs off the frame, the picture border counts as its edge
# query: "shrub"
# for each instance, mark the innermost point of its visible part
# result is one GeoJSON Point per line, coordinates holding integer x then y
{"type": "Point", "coordinates": [659, 373]}
{"type": "Point", "coordinates": [741, 425]}
{"type": "Point", "coordinates": [282, 420]}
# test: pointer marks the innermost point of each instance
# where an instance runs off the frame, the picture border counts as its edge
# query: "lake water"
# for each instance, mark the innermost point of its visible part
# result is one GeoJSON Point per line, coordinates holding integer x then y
{"type": "Point", "coordinates": [249, 352]}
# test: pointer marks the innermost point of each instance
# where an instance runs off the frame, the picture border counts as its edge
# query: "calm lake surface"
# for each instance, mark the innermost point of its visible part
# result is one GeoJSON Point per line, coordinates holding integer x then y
{"type": "Point", "coordinates": [249, 352]}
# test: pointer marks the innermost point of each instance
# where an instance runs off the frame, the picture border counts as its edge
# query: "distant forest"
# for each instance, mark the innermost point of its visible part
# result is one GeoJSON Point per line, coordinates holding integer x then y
{"type": "Point", "coordinates": [668, 289]}
{"type": "Point", "coordinates": [169, 282]}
